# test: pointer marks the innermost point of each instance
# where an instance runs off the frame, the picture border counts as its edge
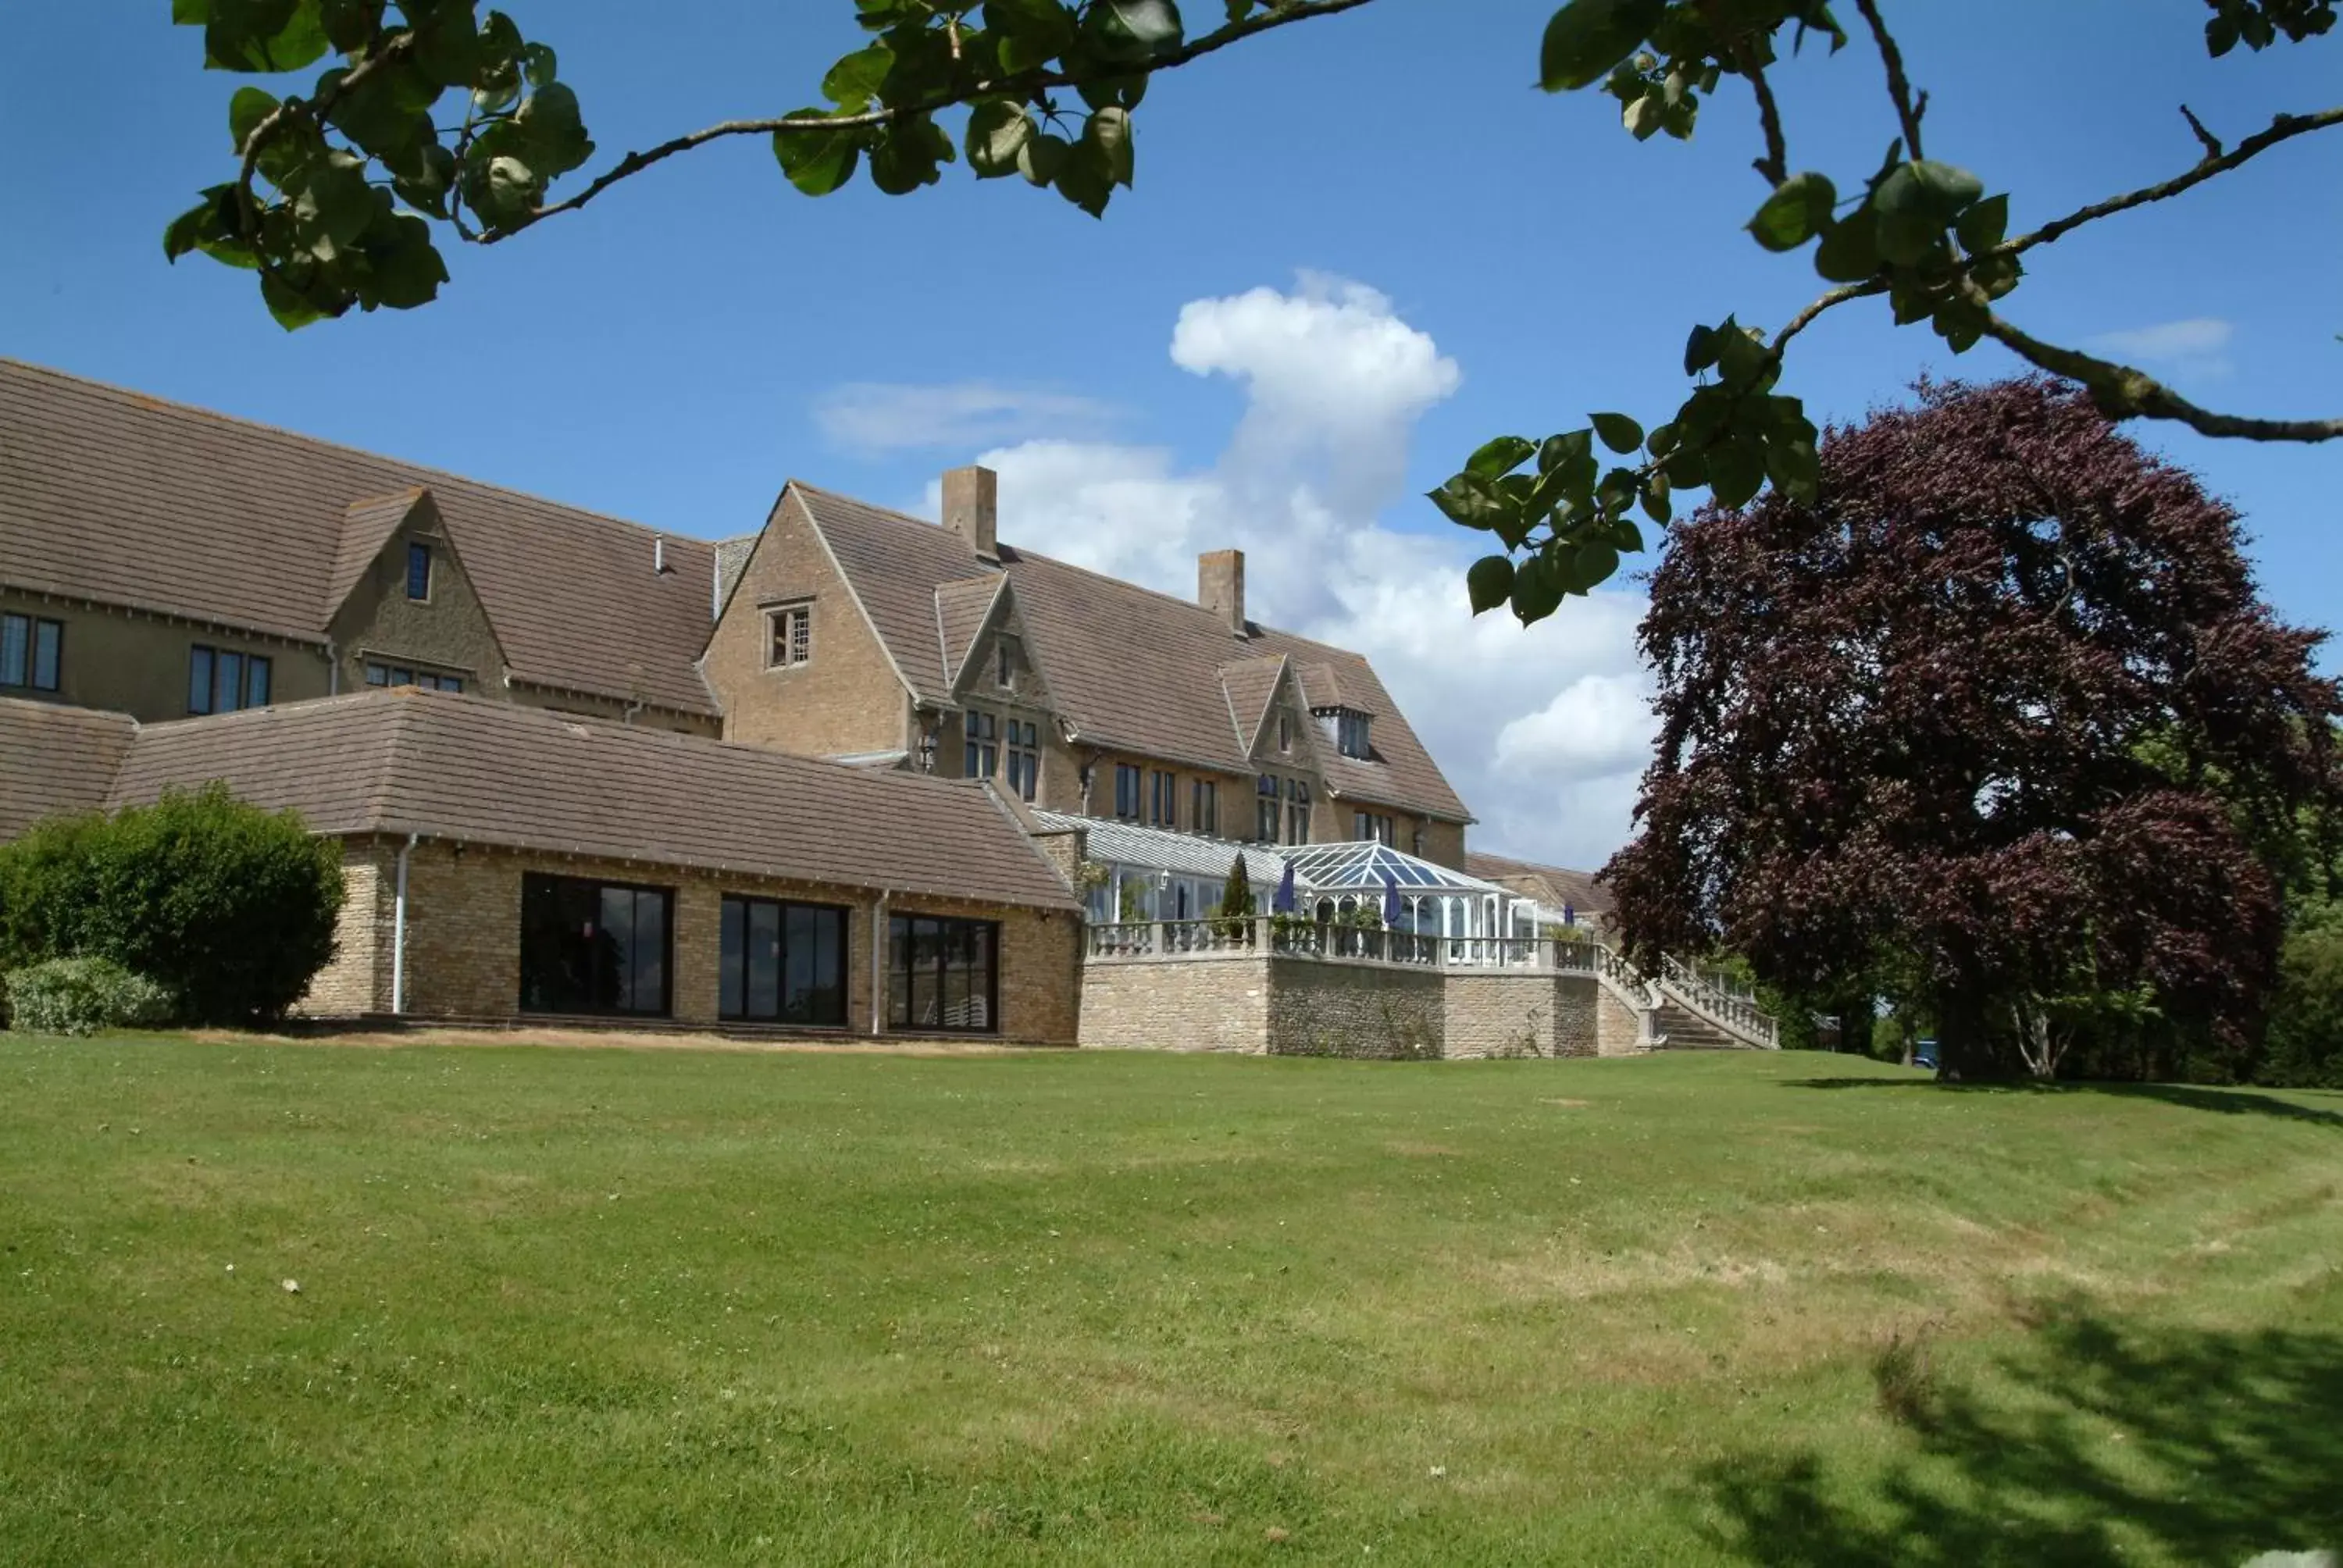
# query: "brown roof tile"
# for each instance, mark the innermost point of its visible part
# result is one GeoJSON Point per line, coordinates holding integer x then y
{"type": "Point", "coordinates": [1252, 686]}
{"type": "Point", "coordinates": [1130, 668]}
{"type": "Point", "coordinates": [365, 527]}
{"type": "Point", "coordinates": [112, 496]}
{"type": "Point", "coordinates": [960, 610]}
{"type": "Point", "coordinates": [1552, 885]}
{"type": "Point", "coordinates": [56, 762]}
{"type": "Point", "coordinates": [465, 768]}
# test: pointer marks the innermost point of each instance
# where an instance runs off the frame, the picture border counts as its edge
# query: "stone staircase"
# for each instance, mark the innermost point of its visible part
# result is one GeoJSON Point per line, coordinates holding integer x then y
{"type": "Point", "coordinates": [1681, 1029]}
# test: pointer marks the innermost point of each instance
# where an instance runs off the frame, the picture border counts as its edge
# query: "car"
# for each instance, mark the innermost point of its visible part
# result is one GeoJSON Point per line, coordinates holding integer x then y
{"type": "Point", "coordinates": [1924, 1054]}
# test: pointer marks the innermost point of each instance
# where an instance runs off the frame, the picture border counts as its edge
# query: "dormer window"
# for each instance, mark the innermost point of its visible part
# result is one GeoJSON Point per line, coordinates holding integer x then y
{"type": "Point", "coordinates": [791, 642]}
{"type": "Point", "coordinates": [1347, 729]}
{"type": "Point", "coordinates": [1006, 657]}
{"type": "Point", "coordinates": [1285, 732]}
{"type": "Point", "coordinates": [418, 572]}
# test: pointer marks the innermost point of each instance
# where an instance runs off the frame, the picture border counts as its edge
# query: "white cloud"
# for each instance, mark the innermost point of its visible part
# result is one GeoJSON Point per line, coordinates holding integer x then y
{"type": "Point", "coordinates": [2198, 346]}
{"type": "Point", "coordinates": [1543, 730]}
{"type": "Point", "coordinates": [883, 416]}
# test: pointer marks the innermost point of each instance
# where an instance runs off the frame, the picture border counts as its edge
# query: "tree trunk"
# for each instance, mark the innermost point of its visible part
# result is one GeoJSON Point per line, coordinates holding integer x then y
{"type": "Point", "coordinates": [1968, 1050]}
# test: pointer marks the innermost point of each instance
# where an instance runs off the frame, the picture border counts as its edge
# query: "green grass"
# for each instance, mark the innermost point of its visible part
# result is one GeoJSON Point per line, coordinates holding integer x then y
{"type": "Point", "coordinates": [672, 1307]}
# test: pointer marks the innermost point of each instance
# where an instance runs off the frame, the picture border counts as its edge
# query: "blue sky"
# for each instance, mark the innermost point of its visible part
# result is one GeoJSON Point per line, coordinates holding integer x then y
{"type": "Point", "coordinates": [1387, 246]}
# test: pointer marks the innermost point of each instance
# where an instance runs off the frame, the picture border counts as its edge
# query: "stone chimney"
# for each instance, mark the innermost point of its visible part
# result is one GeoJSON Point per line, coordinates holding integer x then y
{"type": "Point", "coordinates": [972, 508]}
{"type": "Point", "coordinates": [1219, 586]}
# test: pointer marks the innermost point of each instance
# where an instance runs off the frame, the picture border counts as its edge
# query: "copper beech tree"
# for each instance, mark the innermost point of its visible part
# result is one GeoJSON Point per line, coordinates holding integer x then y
{"type": "Point", "coordinates": [1998, 711]}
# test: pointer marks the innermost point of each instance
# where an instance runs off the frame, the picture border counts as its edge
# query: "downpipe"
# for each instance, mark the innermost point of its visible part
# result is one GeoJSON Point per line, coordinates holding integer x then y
{"type": "Point", "coordinates": [398, 931]}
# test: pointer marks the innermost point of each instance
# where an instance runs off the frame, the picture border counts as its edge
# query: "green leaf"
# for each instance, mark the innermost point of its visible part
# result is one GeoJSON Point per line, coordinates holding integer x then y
{"type": "Point", "coordinates": [1700, 350]}
{"type": "Point", "coordinates": [818, 161]}
{"type": "Point", "coordinates": [292, 307]}
{"type": "Point", "coordinates": [1656, 503]}
{"type": "Point", "coordinates": [1489, 582]}
{"type": "Point", "coordinates": [1572, 447]}
{"type": "Point", "coordinates": [245, 112]}
{"type": "Point", "coordinates": [907, 153]}
{"type": "Point", "coordinates": [263, 35]}
{"type": "Point", "coordinates": [1983, 225]}
{"type": "Point", "coordinates": [1642, 118]}
{"type": "Point", "coordinates": [1132, 32]}
{"type": "Point", "coordinates": [1470, 499]}
{"type": "Point", "coordinates": [997, 133]}
{"type": "Point", "coordinates": [1736, 472]}
{"type": "Point", "coordinates": [1498, 457]}
{"type": "Point", "coordinates": [1537, 589]}
{"type": "Point", "coordinates": [540, 65]}
{"type": "Point", "coordinates": [1041, 158]}
{"type": "Point", "coordinates": [1619, 433]}
{"type": "Point", "coordinates": [1591, 563]}
{"type": "Point", "coordinates": [404, 268]}
{"type": "Point", "coordinates": [1586, 37]}
{"type": "Point", "coordinates": [1740, 358]}
{"type": "Point", "coordinates": [1849, 252]}
{"type": "Point", "coordinates": [854, 81]}
{"type": "Point", "coordinates": [557, 135]}
{"type": "Point", "coordinates": [1799, 208]}
{"type": "Point", "coordinates": [1107, 132]}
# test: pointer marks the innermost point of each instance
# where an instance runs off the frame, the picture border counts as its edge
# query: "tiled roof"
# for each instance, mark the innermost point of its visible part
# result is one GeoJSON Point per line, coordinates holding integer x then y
{"type": "Point", "coordinates": [1579, 889]}
{"type": "Point", "coordinates": [55, 761]}
{"type": "Point", "coordinates": [485, 772]}
{"type": "Point", "coordinates": [1130, 668]}
{"type": "Point", "coordinates": [125, 500]}
{"type": "Point", "coordinates": [1251, 685]}
{"type": "Point", "coordinates": [1322, 687]}
{"type": "Point", "coordinates": [1160, 850]}
{"type": "Point", "coordinates": [960, 610]}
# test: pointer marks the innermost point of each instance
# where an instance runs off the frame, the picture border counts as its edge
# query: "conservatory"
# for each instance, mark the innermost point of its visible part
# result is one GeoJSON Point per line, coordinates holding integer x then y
{"type": "Point", "coordinates": [1344, 881]}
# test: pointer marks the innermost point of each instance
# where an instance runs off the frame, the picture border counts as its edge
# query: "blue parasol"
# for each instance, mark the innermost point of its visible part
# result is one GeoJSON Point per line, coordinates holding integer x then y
{"type": "Point", "coordinates": [1283, 903]}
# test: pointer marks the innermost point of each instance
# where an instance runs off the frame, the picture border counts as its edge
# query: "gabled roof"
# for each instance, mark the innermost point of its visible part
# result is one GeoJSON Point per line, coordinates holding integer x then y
{"type": "Point", "coordinates": [961, 610]}
{"type": "Point", "coordinates": [493, 773]}
{"type": "Point", "coordinates": [1129, 668]}
{"type": "Point", "coordinates": [1322, 687]}
{"type": "Point", "coordinates": [1553, 885]}
{"type": "Point", "coordinates": [56, 762]}
{"type": "Point", "coordinates": [120, 499]}
{"type": "Point", "coordinates": [366, 527]}
{"type": "Point", "coordinates": [1252, 686]}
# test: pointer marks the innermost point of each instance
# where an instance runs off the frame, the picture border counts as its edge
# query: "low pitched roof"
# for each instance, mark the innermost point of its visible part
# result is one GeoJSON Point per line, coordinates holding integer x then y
{"type": "Point", "coordinates": [56, 762]}
{"type": "Point", "coordinates": [1560, 886]}
{"type": "Point", "coordinates": [1160, 849]}
{"type": "Point", "coordinates": [466, 768]}
{"type": "Point", "coordinates": [115, 496]}
{"type": "Point", "coordinates": [1131, 669]}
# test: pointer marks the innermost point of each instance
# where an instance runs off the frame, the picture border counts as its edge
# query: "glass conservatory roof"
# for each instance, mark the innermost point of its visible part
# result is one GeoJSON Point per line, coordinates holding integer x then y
{"type": "Point", "coordinates": [1370, 865]}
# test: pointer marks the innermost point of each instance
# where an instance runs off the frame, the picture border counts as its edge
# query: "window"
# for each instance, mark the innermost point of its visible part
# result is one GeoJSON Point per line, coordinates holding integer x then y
{"type": "Point", "coordinates": [593, 946]}
{"type": "Point", "coordinates": [983, 733]}
{"type": "Point", "coordinates": [1008, 654]}
{"type": "Point", "coordinates": [1204, 807]}
{"type": "Point", "coordinates": [1285, 732]}
{"type": "Point", "coordinates": [1297, 811]}
{"type": "Point", "coordinates": [221, 680]}
{"type": "Point", "coordinates": [1024, 757]}
{"type": "Point", "coordinates": [1163, 799]}
{"type": "Point", "coordinates": [1374, 826]}
{"type": "Point", "coordinates": [32, 651]}
{"type": "Point", "coordinates": [782, 963]}
{"type": "Point", "coordinates": [1347, 729]}
{"type": "Point", "coordinates": [1126, 792]}
{"type": "Point", "coordinates": [399, 675]}
{"type": "Point", "coordinates": [941, 975]}
{"type": "Point", "coordinates": [793, 636]}
{"type": "Point", "coordinates": [1264, 808]}
{"type": "Point", "coordinates": [418, 572]}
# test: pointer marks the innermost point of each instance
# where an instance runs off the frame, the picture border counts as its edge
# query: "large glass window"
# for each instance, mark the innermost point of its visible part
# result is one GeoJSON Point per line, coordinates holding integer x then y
{"type": "Point", "coordinates": [221, 680]}
{"type": "Point", "coordinates": [32, 651]}
{"type": "Point", "coordinates": [1297, 811]}
{"type": "Point", "coordinates": [1204, 807]}
{"type": "Point", "coordinates": [983, 731]}
{"type": "Point", "coordinates": [1372, 826]}
{"type": "Point", "coordinates": [1163, 799]}
{"type": "Point", "coordinates": [1126, 792]}
{"type": "Point", "coordinates": [1264, 808]}
{"type": "Point", "coordinates": [593, 946]}
{"type": "Point", "coordinates": [783, 963]}
{"type": "Point", "coordinates": [942, 974]}
{"type": "Point", "coordinates": [1023, 756]}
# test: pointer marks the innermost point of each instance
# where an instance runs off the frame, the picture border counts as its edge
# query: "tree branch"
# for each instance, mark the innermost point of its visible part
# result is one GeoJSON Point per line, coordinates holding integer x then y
{"type": "Point", "coordinates": [1831, 300]}
{"type": "Point", "coordinates": [2283, 128]}
{"type": "Point", "coordinates": [636, 162]}
{"type": "Point", "coordinates": [1775, 164]}
{"type": "Point", "coordinates": [2123, 393]}
{"type": "Point", "coordinates": [1899, 87]}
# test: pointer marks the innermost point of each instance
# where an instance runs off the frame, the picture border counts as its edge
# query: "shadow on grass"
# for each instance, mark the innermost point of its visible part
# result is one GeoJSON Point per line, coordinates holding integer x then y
{"type": "Point", "coordinates": [2096, 1441]}
{"type": "Point", "coordinates": [2227, 1101]}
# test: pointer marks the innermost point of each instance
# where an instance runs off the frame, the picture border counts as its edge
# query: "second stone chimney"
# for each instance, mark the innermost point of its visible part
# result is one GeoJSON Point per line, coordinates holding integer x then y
{"type": "Point", "coordinates": [1219, 586]}
{"type": "Point", "coordinates": [972, 508]}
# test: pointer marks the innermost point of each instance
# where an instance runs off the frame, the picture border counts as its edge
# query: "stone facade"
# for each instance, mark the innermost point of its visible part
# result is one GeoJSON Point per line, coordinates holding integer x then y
{"type": "Point", "coordinates": [1291, 1005]}
{"type": "Point", "coordinates": [847, 698]}
{"type": "Point", "coordinates": [463, 942]}
{"type": "Point", "coordinates": [129, 661]}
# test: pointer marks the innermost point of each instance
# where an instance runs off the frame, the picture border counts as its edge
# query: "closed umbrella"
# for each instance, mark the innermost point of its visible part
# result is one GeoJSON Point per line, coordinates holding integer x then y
{"type": "Point", "coordinates": [1391, 902]}
{"type": "Point", "coordinates": [1283, 903]}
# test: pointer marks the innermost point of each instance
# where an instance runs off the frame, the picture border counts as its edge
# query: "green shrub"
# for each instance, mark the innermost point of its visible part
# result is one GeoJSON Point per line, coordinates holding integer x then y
{"type": "Point", "coordinates": [82, 996]}
{"type": "Point", "coordinates": [2304, 1049]}
{"type": "Point", "coordinates": [230, 907]}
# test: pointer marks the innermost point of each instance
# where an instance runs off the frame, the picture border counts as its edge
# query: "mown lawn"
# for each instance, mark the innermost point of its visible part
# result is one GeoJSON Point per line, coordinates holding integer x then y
{"type": "Point", "coordinates": [671, 1307]}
